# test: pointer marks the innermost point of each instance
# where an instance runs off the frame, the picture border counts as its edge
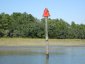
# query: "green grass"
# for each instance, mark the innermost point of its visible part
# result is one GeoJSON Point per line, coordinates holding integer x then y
{"type": "Point", "coordinates": [40, 42]}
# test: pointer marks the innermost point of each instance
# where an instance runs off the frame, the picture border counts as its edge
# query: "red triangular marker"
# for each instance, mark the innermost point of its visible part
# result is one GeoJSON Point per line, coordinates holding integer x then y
{"type": "Point", "coordinates": [46, 13]}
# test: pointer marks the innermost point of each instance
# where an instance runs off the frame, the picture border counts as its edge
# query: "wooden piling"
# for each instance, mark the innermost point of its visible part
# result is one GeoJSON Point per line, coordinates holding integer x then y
{"type": "Point", "coordinates": [46, 36]}
{"type": "Point", "coordinates": [46, 14]}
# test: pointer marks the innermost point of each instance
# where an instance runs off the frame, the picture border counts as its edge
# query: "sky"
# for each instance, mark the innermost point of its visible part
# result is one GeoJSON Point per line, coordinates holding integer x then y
{"type": "Point", "coordinates": [68, 10]}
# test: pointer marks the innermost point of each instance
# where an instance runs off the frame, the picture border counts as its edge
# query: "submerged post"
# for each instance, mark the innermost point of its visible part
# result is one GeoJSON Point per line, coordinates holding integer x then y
{"type": "Point", "coordinates": [46, 15]}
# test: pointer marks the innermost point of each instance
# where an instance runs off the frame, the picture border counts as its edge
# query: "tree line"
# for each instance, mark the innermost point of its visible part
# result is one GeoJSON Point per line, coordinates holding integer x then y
{"type": "Point", "coordinates": [25, 25]}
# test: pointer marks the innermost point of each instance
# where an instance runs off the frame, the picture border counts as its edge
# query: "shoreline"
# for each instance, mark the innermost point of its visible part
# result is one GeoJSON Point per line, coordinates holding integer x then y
{"type": "Point", "coordinates": [40, 42]}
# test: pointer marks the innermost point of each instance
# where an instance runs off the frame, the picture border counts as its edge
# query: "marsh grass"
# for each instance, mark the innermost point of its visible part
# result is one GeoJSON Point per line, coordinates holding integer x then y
{"type": "Point", "coordinates": [40, 42]}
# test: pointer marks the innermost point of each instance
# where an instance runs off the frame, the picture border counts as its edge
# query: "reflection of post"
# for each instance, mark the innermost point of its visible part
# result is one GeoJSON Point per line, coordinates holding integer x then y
{"type": "Point", "coordinates": [47, 48]}
{"type": "Point", "coordinates": [46, 36]}
{"type": "Point", "coordinates": [47, 61]}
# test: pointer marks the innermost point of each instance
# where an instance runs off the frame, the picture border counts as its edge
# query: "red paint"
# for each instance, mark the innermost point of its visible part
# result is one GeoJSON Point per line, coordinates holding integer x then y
{"type": "Point", "coordinates": [46, 13]}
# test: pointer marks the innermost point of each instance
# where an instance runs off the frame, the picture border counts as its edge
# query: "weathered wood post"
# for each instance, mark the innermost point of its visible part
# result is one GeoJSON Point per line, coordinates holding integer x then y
{"type": "Point", "coordinates": [46, 35]}
{"type": "Point", "coordinates": [46, 15]}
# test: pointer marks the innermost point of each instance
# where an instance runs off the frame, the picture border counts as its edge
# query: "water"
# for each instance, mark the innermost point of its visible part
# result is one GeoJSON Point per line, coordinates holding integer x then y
{"type": "Point", "coordinates": [36, 55]}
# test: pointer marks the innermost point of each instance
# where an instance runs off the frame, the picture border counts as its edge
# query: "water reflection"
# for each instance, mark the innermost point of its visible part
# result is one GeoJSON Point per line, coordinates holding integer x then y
{"type": "Point", "coordinates": [36, 55]}
{"type": "Point", "coordinates": [47, 59]}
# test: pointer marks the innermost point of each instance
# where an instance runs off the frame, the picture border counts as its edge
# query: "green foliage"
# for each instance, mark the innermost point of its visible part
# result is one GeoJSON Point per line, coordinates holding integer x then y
{"type": "Point", "coordinates": [25, 25]}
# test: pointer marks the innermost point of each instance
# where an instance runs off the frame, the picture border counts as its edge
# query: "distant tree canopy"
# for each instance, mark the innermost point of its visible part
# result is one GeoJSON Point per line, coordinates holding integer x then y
{"type": "Point", "coordinates": [25, 25]}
